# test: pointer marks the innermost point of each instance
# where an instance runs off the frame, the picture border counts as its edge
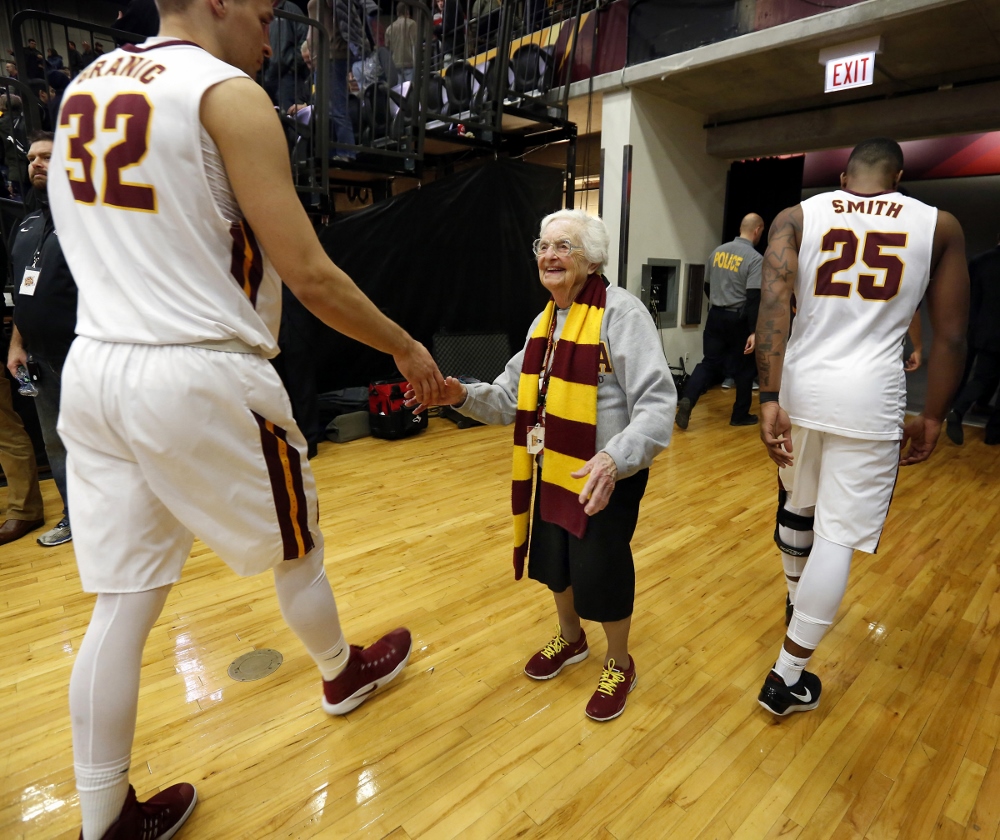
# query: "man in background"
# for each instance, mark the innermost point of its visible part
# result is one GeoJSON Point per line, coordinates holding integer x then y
{"type": "Point", "coordinates": [45, 300]}
{"type": "Point", "coordinates": [734, 295]}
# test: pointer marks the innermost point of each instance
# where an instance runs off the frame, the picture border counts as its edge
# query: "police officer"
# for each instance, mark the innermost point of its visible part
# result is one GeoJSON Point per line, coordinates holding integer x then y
{"type": "Point", "coordinates": [734, 272]}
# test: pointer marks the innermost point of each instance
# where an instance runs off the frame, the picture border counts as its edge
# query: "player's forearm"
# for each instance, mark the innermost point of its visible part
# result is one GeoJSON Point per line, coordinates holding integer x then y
{"type": "Point", "coordinates": [335, 299]}
{"type": "Point", "coordinates": [944, 373]}
{"type": "Point", "coordinates": [771, 339]}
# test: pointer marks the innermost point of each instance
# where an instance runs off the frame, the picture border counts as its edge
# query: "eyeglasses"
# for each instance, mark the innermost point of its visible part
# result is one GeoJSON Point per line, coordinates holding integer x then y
{"type": "Point", "coordinates": [561, 247]}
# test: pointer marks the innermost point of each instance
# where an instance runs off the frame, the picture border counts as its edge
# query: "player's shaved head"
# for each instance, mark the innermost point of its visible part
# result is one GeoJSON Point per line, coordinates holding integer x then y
{"type": "Point", "coordinates": [879, 153]}
{"type": "Point", "coordinates": [172, 7]}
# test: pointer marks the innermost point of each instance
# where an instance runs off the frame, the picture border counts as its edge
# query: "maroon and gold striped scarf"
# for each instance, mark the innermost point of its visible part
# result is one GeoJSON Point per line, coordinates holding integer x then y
{"type": "Point", "coordinates": [570, 417]}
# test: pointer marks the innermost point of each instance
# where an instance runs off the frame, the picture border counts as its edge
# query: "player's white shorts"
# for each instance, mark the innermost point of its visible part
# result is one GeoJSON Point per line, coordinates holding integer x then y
{"type": "Point", "coordinates": [165, 443]}
{"type": "Point", "coordinates": [848, 480]}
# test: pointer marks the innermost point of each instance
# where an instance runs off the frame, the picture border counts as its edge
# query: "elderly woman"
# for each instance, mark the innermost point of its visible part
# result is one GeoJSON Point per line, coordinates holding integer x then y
{"type": "Point", "coordinates": [592, 403]}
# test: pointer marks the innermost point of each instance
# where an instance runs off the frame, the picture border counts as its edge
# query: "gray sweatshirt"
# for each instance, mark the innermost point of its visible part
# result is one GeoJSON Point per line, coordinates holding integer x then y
{"type": "Point", "coordinates": [636, 398]}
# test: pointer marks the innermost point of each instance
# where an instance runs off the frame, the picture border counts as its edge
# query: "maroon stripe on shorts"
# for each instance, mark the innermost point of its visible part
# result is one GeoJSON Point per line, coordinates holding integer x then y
{"type": "Point", "coordinates": [892, 495]}
{"type": "Point", "coordinates": [284, 469]}
{"type": "Point", "coordinates": [562, 507]}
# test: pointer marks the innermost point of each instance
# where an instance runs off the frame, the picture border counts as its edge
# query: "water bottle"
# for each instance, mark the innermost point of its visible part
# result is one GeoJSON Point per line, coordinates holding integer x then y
{"type": "Point", "coordinates": [26, 386]}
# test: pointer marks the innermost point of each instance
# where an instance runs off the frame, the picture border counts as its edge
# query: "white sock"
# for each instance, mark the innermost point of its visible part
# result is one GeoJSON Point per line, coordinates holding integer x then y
{"type": "Point", "coordinates": [103, 789]}
{"type": "Point", "coordinates": [789, 667]}
{"type": "Point", "coordinates": [333, 661]}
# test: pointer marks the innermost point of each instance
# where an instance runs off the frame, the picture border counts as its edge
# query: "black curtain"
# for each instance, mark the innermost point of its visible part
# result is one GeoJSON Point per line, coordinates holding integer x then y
{"type": "Point", "coordinates": [453, 256]}
{"type": "Point", "coordinates": [766, 187]}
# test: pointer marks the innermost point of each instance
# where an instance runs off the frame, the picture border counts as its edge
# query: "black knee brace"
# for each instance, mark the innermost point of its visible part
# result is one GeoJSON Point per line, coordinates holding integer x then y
{"type": "Point", "coordinates": [795, 521]}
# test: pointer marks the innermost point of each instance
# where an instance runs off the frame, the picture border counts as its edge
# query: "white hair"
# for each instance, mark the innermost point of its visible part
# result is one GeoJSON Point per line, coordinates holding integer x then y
{"type": "Point", "coordinates": [593, 233]}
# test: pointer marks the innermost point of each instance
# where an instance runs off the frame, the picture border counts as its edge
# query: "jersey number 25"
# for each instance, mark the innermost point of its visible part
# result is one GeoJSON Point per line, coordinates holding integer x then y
{"type": "Point", "coordinates": [871, 255]}
{"type": "Point", "coordinates": [135, 110]}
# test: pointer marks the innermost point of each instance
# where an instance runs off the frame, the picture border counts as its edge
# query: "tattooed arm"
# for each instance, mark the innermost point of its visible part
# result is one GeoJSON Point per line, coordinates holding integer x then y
{"type": "Point", "coordinates": [781, 265]}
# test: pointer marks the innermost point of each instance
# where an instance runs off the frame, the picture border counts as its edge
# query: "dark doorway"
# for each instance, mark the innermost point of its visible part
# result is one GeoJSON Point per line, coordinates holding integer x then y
{"type": "Point", "coordinates": [765, 186]}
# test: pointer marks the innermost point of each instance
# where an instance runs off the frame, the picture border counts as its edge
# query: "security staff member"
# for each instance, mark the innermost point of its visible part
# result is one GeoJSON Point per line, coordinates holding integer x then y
{"type": "Point", "coordinates": [44, 318]}
{"type": "Point", "coordinates": [734, 272]}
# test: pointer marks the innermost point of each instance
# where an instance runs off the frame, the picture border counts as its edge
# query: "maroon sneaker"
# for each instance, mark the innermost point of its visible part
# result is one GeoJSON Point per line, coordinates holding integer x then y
{"type": "Point", "coordinates": [158, 818]}
{"type": "Point", "coordinates": [368, 669]}
{"type": "Point", "coordinates": [558, 653]}
{"type": "Point", "coordinates": [612, 691]}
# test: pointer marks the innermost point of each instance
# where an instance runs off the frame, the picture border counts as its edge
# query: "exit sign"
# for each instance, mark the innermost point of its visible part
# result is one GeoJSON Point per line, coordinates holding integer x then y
{"type": "Point", "coordinates": [850, 65]}
{"type": "Point", "coordinates": [850, 72]}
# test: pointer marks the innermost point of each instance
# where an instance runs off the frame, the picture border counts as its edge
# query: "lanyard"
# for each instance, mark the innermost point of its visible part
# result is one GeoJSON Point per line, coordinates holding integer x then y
{"type": "Point", "coordinates": [47, 228]}
{"type": "Point", "coordinates": [543, 385]}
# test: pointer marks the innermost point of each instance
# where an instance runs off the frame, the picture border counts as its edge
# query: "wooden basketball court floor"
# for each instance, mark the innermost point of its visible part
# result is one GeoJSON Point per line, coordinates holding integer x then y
{"type": "Point", "coordinates": [903, 745]}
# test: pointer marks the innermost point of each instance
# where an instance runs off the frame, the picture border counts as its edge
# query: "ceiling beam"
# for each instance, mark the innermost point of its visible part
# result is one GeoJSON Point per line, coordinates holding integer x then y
{"type": "Point", "coordinates": [960, 110]}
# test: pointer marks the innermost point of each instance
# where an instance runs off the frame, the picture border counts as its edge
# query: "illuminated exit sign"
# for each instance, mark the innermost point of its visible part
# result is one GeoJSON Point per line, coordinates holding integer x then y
{"type": "Point", "coordinates": [850, 72]}
{"type": "Point", "coordinates": [850, 65]}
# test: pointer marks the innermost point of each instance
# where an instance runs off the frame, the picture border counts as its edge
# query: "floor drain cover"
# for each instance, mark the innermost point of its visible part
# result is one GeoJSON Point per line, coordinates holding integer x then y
{"type": "Point", "coordinates": [255, 665]}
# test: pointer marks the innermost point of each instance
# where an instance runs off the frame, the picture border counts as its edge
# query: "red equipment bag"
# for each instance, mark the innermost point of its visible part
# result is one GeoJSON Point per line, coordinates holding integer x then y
{"type": "Point", "coordinates": [388, 417]}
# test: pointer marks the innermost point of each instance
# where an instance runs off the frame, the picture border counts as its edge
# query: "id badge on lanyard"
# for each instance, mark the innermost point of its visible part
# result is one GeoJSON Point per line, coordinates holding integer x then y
{"type": "Point", "coordinates": [29, 282]}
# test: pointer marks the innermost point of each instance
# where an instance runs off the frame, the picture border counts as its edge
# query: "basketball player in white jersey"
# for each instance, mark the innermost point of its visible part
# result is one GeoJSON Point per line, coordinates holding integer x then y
{"type": "Point", "coordinates": [176, 211]}
{"type": "Point", "coordinates": [833, 394]}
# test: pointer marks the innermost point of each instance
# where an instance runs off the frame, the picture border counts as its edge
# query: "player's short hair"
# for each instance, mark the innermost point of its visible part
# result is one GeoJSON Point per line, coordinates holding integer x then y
{"type": "Point", "coordinates": [169, 7]}
{"type": "Point", "coordinates": [877, 153]}
{"type": "Point", "coordinates": [41, 137]}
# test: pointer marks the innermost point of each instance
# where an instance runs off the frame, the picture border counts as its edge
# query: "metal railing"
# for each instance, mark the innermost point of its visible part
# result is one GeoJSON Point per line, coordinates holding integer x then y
{"type": "Point", "coordinates": [353, 109]}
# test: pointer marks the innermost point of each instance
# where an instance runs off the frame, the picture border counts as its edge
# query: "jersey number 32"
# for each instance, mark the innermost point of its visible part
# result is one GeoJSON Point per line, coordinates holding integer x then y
{"type": "Point", "coordinates": [135, 110]}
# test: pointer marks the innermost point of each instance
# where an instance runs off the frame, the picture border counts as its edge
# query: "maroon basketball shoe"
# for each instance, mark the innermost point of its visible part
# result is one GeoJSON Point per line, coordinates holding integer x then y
{"type": "Point", "coordinates": [556, 655]}
{"type": "Point", "coordinates": [158, 818]}
{"type": "Point", "coordinates": [612, 691]}
{"type": "Point", "coordinates": [368, 669]}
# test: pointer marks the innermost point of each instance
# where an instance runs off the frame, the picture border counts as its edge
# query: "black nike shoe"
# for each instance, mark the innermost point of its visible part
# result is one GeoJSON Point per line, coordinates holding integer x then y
{"type": "Point", "coordinates": [953, 428]}
{"type": "Point", "coordinates": [789, 609]}
{"type": "Point", "coordinates": [781, 699]}
{"type": "Point", "coordinates": [683, 415]}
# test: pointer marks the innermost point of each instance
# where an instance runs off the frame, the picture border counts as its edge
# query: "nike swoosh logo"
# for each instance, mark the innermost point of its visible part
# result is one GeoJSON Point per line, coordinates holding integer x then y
{"type": "Point", "coordinates": [804, 698]}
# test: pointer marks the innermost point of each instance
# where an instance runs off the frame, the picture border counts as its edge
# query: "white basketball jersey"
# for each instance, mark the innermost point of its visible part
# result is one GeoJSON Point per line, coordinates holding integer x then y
{"type": "Point", "coordinates": [145, 212]}
{"type": "Point", "coordinates": [864, 265]}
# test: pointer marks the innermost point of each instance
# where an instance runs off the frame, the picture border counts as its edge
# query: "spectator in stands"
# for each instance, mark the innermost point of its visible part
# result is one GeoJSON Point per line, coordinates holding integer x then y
{"type": "Point", "coordinates": [286, 75]}
{"type": "Point", "coordinates": [448, 21]}
{"type": "Point", "coordinates": [592, 400]}
{"type": "Point", "coordinates": [75, 60]}
{"type": "Point", "coordinates": [10, 70]}
{"type": "Point", "coordinates": [58, 81]}
{"type": "Point", "coordinates": [484, 7]}
{"type": "Point", "coordinates": [54, 61]}
{"type": "Point", "coordinates": [344, 22]}
{"type": "Point", "coordinates": [15, 145]}
{"type": "Point", "coordinates": [87, 55]}
{"type": "Point", "coordinates": [40, 87]}
{"type": "Point", "coordinates": [44, 319]}
{"type": "Point", "coordinates": [401, 39]}
{"type": "Point", "coordinates": [98, 49]}
{"type": "Point", "coordinates": [34, 61]}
